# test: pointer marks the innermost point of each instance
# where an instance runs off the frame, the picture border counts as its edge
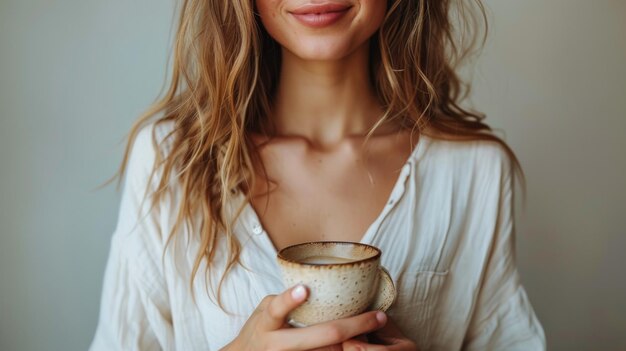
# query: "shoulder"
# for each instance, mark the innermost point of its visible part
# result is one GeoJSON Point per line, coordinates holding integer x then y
{"type": "Point", "coordinates": [151, 142]}
{"type": "Point", "coordinates": [478, 150]}
{"type": "Point", "coordinates": [142, 174]}
{"type": "Point", "coordinates": [139, 231]}
{"type": "Point", "coordinates": [466, 160]}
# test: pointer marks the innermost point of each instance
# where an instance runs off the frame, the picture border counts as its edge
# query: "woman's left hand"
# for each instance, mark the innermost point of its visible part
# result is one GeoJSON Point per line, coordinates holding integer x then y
{"type": "Point", "coordinates": [389, 338]}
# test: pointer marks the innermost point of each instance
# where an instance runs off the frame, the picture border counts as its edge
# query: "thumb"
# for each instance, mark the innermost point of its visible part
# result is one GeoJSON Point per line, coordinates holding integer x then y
{"type": "Point", "coordinates": [280, 306]}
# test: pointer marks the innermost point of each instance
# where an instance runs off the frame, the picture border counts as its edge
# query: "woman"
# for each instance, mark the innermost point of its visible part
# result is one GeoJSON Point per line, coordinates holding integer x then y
{"type": "Point", "coordinates": [298, 120]}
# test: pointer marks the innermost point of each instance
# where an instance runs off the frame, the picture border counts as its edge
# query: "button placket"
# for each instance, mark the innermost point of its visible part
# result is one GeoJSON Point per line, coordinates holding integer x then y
{"type": "Point", "coordinates": [257, 229]}
{"type": "Point", "coordinates": [398, 191]}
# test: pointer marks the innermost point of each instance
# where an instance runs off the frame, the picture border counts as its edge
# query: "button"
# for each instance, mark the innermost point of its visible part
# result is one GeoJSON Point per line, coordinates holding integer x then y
{"type": "Point", "coordinates": [391, 202]}
{"type": "Point", "coordinates": [257, 229]}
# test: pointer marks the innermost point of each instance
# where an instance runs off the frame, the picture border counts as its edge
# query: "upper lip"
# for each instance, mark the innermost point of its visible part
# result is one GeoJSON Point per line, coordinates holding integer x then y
{"type": "Point", "coordinates": [320, 8]}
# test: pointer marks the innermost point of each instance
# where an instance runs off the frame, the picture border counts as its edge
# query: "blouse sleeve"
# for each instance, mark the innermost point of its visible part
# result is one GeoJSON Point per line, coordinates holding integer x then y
{"type": "Point", "coordinates": [503, 318]}
{"type": "Point", "coordinates": [134, 311]}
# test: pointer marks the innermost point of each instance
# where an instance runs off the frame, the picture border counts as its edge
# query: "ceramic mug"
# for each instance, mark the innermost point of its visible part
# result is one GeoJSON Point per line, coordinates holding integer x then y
{"type": "Point", "coordinates": [344, 279]}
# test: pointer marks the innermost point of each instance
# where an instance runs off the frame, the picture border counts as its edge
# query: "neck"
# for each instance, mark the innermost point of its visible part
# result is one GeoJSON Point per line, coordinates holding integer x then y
{"type": "Point", "coordinates": [325, 101]}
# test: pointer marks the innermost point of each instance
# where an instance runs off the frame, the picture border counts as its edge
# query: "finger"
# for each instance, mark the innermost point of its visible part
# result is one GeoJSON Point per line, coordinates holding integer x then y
{"type": "Point", "coordinates": [279, 307]}
{"type": "Point", "coordinates": [330, 333]}
{"type": "Point", "coordinates": [337, 347]}
{"type": "Point", "coordinates": [358, 345]}
{"type": "Point", "coordinates": [391, 335]}
{"type": "Point", "coordinates": [391, 330]}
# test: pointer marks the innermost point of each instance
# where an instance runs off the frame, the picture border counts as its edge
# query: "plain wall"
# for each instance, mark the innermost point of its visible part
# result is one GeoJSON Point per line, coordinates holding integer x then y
{"type": "Point", "coordinates": [74, 74]}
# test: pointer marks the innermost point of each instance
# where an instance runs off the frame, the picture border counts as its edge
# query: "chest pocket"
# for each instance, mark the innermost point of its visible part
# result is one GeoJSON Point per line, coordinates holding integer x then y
{"type": "Point", "coordinates": [415, 308]}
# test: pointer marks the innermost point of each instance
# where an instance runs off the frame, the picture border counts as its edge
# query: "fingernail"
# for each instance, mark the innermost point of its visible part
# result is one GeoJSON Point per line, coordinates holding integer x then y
{"type": "Point", "coordinates": [381, 317]}
{"type": "Point", "coordinates": [298, 293]}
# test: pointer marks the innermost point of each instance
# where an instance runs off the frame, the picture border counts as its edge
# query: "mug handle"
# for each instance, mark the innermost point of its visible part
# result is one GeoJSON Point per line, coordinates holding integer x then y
{"type": "Point", "coordinates": [386, 294]}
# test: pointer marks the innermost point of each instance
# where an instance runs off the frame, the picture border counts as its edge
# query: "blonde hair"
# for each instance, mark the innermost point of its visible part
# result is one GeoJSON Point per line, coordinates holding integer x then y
{"type": "Point", "coordinates": [225, 69]}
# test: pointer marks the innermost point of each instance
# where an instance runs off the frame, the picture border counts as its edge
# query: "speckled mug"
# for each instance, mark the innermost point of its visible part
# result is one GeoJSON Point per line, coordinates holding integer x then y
{"type": "Point", "coordinates": [344, 279]}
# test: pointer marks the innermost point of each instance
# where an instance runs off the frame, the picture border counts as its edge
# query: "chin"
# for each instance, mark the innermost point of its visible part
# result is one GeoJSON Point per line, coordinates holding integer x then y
{"type": "Point", "coordinates": [321, 50]}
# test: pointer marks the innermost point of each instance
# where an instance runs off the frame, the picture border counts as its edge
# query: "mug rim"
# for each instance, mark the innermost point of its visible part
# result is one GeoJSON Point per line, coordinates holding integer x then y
{"type": "Point", "coordinates": [376, 256]}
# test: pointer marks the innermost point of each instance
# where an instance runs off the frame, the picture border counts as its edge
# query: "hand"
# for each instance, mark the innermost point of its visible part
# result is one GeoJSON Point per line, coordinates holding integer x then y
{"type": "Point", "coordinates": [389, 338]}
{"type": "Point", "coordinates": [266, 328]}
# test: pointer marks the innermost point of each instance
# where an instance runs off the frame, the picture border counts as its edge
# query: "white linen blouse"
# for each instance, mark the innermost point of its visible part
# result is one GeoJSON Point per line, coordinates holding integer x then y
{"type": "Point", "coordinates": [446, 233]}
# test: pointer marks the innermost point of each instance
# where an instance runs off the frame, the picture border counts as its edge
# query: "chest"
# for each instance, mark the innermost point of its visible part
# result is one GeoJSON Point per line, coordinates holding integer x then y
{"type": "Point", "coordinates": [324, 196]}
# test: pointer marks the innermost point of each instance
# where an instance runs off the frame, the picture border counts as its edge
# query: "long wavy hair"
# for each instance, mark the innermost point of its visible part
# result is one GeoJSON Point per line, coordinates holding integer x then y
{"type": "Point", "coordinates": [224, 75]}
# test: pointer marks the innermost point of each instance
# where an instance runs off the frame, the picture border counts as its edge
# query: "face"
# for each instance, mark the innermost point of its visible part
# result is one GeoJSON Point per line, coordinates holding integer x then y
{"type": "Point", "coordinates": [321, 30]}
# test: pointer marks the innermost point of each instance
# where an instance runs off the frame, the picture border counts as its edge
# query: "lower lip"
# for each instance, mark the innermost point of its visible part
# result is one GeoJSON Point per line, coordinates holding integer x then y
{"type": "Point", "coordinates": [319, 20]}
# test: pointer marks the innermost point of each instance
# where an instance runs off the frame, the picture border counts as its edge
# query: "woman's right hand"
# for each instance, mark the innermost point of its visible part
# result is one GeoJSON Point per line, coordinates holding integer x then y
{"type": "Point", "coordinates": [266, 329]}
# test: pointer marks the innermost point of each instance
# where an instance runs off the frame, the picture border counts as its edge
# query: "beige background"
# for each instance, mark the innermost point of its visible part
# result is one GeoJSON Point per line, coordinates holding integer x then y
{"type": "Point", "coordinates": [75, 73]}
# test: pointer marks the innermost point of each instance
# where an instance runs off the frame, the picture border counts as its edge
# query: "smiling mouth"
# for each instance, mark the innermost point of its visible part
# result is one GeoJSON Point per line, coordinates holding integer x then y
{"type": "Point", "coordinates": [320, 15]}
